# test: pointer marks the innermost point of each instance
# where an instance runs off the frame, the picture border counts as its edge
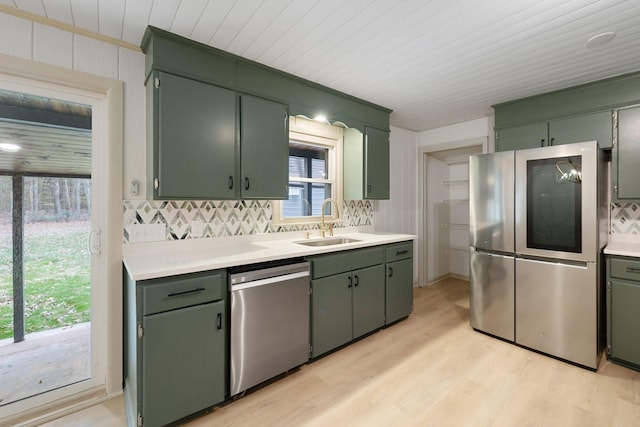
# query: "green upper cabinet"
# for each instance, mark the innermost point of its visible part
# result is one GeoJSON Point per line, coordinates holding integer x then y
{"type": "Point", "coordinates": [264, 148]}
{"type": "Point", "coordinates": [196, 151]}
{"type": "Point", "coordinates": [192, 127]}
{"type": "Point", "coordinates": [626, 156]}
{"type": "Point", "coordinates": [366, 164]}
{"type": "Point", "coordinates": [587, 127]}
{"type": "Point", "coordinates": [521, 137]}
{"type": "Point", "coordinates": [575, 114]}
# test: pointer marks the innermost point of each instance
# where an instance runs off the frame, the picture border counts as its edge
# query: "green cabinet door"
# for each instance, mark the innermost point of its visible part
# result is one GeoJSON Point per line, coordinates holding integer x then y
{"type": "Point", "coordinates": [399, 290]}
{"type": "Point", "coordinates": [589, 127]}
{"type": "Point", "coordinates": [366, 164]}
{"type": "Point", "coordinates": [625, 321]}
{"type": "Point", "coordinates": [626, 156]}
{"type": "Point", "coordinates": [183, 362]}
{"type": "Point", "coordinates": [330, 312]}
{"type": "Point", "coordinates": [194, 139]}
{"type": "Point", "coordinates": [264, 148]}
{"type": "Point", "coordinates": [376, 169]}
{"type": "Point", "coordinates": [522, 137]}
{"type": "Point", "coordinates": [368, 300]}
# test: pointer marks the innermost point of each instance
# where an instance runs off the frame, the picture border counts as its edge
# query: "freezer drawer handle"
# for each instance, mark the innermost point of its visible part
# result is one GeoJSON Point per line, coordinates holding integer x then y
{"type": "Point", "coordinates": [190, 291]}
{"type": "Point", "coordinates": [633, 270]}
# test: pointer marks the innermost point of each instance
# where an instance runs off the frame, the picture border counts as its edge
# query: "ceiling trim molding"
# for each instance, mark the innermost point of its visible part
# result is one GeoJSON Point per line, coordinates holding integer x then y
{"type": "Point", "coordinates": [66, 27]}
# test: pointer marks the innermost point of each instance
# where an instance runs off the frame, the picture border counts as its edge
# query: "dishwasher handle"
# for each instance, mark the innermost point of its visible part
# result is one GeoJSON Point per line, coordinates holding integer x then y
{"type": "Point", "coordinates": [268, 281]}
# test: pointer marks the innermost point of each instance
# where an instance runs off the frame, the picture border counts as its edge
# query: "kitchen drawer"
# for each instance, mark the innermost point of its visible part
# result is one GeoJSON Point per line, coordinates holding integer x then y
{"type": "Point", "coordinates": [340, 262]}
{"type": "Point", "coordinates": [624, 268]}
{"type": "Point", "coordinates": [398, 252]}
{"type": "Point", "coordinates": [170, 293]}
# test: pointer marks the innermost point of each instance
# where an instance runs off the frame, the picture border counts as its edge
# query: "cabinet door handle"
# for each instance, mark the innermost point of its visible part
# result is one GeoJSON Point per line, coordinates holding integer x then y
{"type": "Point", "coordinates": [246, 182]}
{"type": "Point", "coordinates": [357, 281]}
{"type": "Point", "coordinates": [542, 142]}
{"type": "Point", "coordinates": [230, 182]}
{"type": "Point", "coordinates": [551, 141]}
{"type": "Point", "coordinates": [219, 321]}
{"type": "Point", "coordinates": [190, 291]}
{"type": "Point", "coordinates": [633, 270]}
{"type": "Point", "coordinates": [350, 280]}
{"type": "Point", "coordinates": [402, 252]}
{"type": "Point", "coordinates": [390, 271]}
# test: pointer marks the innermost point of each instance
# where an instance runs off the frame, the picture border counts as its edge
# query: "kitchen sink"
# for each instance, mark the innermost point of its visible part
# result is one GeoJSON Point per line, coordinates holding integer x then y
{"type": "Point", "coordinates": [327, 241]}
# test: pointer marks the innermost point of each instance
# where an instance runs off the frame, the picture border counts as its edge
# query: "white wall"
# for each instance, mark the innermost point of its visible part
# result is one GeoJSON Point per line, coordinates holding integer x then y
{"type": "Point", "coordinates": [398, 213]}
{"type": "Point", "coordinates": [460, 131]}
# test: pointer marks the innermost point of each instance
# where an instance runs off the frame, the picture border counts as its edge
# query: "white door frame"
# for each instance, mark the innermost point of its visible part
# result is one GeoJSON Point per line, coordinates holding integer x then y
{"type": "Point", "coordinates": [106, 97]}
{"type": "Point", "coordinates": [423, 175]}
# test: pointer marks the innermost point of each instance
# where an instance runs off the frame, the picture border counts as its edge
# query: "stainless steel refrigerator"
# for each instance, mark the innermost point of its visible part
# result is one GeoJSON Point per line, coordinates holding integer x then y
{"type": "Point", "coordinates": [537, 229]}
{"type": "Point", "coordinates": [492, 257]}
{"type": "Point", "coordinates": [560, 219]}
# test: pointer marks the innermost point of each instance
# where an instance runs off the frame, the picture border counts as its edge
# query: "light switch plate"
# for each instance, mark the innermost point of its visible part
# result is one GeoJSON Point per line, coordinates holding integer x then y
{"type": "Point", "coordinates": [140, 233]}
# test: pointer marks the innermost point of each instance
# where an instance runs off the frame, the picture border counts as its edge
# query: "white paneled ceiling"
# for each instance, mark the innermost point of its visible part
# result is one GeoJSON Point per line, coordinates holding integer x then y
{"type": "Point", "coordinates": [433, 62]}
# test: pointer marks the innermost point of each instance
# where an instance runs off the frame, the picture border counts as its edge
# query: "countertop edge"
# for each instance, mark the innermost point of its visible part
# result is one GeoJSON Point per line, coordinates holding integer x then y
{"type": "Point", "coordinates": [155, 264]}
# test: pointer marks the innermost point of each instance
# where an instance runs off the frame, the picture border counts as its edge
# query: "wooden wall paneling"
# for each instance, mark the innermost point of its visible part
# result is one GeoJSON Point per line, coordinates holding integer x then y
{"type": "Point", "coordinates": [52, 46]}
{"type": "Point", "coordinates": [95, 57]}
{"type": "Point", "coordinates": [18, 39]}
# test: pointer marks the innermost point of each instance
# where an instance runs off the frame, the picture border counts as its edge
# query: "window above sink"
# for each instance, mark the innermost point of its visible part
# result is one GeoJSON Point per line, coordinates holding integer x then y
{"type": "Point", "coordinates": [315, 173]}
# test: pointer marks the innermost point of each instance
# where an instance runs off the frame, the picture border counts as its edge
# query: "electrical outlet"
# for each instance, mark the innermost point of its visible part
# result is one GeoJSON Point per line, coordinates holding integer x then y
{"type": "Point", "coordinates": [139, 233]}
{"type": "Point", "coordinates": [197, 228]}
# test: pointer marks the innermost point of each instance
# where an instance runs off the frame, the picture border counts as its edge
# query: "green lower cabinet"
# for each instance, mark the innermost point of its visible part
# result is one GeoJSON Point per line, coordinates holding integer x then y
{"type": "Point", "coordinates": [346, 306]}
{"type": "Point", "coordinates": [399, 290]}
{"type": "Point", "coordinates": [368, 300]}
{"type": "Point", "coordinates": [347, 297]}
{"type": "Point", "coordinates": [330, 313]}
{"type": "Point", "coordinates": [183, 363]}
{"type": "Point", "coordinates": [623, 315]}
{"type": "Point", "coordinates": [175, 346]}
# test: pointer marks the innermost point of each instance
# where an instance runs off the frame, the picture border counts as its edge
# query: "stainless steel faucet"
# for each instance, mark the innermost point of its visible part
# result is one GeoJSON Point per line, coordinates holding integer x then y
{"type": "Point", "coordinates": [323, 227]}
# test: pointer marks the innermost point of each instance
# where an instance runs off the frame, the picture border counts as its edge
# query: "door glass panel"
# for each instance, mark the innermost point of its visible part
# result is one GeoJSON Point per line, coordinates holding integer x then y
{"type": "Point", "coordinates": [45, 222]}
{"type": "Point", "coordinates": [554, 204]}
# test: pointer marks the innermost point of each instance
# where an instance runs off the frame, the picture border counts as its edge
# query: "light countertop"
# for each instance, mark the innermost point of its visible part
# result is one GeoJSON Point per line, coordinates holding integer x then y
{"type": "Point", "coordinates": [623, 249]}
{"type": "Point", "coordinates": [158, 259]}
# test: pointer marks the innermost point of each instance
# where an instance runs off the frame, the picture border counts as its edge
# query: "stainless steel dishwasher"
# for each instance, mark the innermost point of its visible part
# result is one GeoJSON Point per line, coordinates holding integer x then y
{"type": "Point", "coordinates": [269, 322]}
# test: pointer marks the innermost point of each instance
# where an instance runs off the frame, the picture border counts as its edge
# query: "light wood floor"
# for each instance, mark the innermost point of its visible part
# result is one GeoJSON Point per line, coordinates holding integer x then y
{"type": "Point", "coordinates": [429, 370]}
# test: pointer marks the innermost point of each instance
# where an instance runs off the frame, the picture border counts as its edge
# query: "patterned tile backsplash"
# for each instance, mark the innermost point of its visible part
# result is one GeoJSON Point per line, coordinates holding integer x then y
{"type": "Point", "coordinates": [625, 218]}
{"type": "Point", "coordinates": [225, 218]}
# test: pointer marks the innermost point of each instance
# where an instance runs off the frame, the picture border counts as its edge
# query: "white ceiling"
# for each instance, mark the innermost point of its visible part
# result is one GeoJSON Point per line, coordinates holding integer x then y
{"type": "Point", "coordinates": [433, 62]}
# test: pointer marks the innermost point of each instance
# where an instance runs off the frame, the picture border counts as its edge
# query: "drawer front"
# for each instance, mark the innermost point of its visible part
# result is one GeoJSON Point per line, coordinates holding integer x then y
{"type": "Point", "coordinates": [398, 252]}
{"type": "Point", "coordinates": [170, 293]}
{"type": "Point", "coordinates": [340, 262]}
{"type": "Point", "coordinates": [623, 268]}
